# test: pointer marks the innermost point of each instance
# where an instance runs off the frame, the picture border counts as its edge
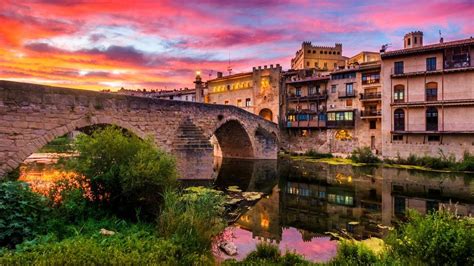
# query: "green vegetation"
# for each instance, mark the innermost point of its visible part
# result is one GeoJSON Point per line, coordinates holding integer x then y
{"type": "Point", "coordinates": [192, 217]}
{"type": "Point", "coordinates": [110, 214]}
{"type": "Point", "coordinates": [364, 155]}
{"type": "Point", "coordinates": [317, 155]}
{"type": "Point", "coordinates": [23, 213]}
{"type": "Point", "coordinates": [59, 145]}
{"type": "Point", "coordinates": [127, 175]}
{"type": "Point", "coordinates": [268, 254]}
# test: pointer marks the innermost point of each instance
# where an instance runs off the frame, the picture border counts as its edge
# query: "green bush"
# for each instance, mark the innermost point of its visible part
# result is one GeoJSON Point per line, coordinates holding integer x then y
{"type": "Point", "coordinates": [364, 155]}
{"type": "Point", "coordinates": [127, 175]}
{"type": "Point", "coordinates": [438, 238]}
{"type": "Point", "coordinates": [352, 253]}
{"type": "Point", "coordinates": [192, 218]}
{"type": "Point", "coordinates": [23, 213]}
{"type": "Point", "coordinates": [467, 164]}
{"type": "Point", "coordinates": [132, 245]}
{"type": "Point", "coordinates": [317, 155]}
{"type": "Point", "coordinates": [268, 254]}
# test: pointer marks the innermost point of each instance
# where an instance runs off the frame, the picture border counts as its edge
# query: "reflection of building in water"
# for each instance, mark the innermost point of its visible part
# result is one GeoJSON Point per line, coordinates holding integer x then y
{"type": "Point", "coordinates": [263, 219]}
{"type": "Point", "coordinates": [401, 191]}
{"type": "Point", "coordinates": [331, 201]}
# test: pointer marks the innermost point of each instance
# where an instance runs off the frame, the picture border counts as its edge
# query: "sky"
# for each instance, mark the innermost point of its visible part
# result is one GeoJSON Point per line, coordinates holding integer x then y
{"type": "Point", "coordinates": [105, 44]}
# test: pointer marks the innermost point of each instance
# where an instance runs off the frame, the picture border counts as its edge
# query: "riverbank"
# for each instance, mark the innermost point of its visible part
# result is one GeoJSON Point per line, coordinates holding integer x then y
{"type": "Point", "coordinates": [349, 161]}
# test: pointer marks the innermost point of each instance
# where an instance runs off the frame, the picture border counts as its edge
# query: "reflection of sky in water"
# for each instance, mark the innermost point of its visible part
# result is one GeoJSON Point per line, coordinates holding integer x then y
{"type": "Point", "coordinates": [319, 249]}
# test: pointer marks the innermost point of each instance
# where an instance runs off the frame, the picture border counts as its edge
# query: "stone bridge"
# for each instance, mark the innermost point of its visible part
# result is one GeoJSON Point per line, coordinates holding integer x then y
{"type": "Point", "coordinates": [33, 115]}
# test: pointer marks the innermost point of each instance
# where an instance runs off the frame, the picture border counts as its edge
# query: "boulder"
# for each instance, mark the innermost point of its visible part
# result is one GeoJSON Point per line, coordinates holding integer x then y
{"type": "Point", "coordinates": [106, 232]}
{"type": "Point", "coordinates": [229, 248]}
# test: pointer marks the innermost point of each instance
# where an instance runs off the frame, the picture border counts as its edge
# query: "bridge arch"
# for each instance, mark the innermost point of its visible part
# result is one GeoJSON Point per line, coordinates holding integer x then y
{"type": "Point", "coordinates": [234, 140]}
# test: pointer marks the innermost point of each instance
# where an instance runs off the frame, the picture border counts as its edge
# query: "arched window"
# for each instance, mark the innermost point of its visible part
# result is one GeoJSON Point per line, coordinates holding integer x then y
{"type": "Point", "coordinates": [431, 119]}
{"type": "Point", "coordinates": [399, 120]}
{"type": "Point", "coordinates": [399, 93]}
{"type": "Point", "coordinates": [431, 91]}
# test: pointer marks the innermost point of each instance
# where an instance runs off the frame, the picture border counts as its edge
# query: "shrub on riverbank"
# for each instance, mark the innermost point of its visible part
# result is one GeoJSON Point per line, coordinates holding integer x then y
{"type": "Point", "coordinates": [268, 254]}
{"type": "Point", "coordinates": [22, 213]}
{"type": "Point", "coordinates": [192, 218]}
{"type": "Point", "coordinates": [364, 155]}
{"type": "Point", "coordinates": [317, 155]}
{"type": "Point", "coordinates": [438, 238]}
{"type": "Point", "coordinates": [442, 162]}
{"type": "Point", "coordinates": [127, 174]}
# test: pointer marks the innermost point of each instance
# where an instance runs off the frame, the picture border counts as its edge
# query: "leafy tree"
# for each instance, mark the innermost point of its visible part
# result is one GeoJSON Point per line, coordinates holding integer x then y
{"type": "Point", "coordinates": [127, 174]}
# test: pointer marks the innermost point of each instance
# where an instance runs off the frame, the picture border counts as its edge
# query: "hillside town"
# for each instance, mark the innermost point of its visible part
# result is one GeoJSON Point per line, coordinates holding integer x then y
{"type": "Point", "coordinates": [396, 102]}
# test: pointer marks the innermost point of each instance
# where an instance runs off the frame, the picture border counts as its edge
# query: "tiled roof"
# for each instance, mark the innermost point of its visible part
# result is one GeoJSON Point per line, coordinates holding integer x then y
{"type": "Point", "coordinates": [428, 48]}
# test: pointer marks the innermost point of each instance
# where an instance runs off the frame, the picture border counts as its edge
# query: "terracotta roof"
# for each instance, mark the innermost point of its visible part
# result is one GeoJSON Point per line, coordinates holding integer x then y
{"type": "Point", "coordinates": [428, 48]}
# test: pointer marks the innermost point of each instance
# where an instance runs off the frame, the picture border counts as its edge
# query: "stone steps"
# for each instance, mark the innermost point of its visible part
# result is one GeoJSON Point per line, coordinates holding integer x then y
{"type": "Point", "coordinates": [190, 137]}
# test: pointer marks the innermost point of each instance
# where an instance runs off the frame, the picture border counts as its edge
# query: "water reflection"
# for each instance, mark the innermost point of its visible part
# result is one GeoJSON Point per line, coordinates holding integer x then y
{"type": "Point", "coordinates": [311, 199]}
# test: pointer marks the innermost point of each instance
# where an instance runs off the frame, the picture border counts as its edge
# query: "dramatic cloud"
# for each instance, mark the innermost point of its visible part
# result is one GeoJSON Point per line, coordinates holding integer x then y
{"type": "Point", "coordinates": [160, 44]}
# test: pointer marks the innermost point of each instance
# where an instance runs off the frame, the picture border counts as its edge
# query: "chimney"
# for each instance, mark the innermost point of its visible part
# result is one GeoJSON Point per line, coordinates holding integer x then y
{"type": "Point", "coordinates": [219, 74]}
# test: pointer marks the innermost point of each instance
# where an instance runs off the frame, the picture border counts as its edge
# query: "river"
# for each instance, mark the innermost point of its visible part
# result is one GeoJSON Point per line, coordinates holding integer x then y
{"type": "Point", "coordinates": [305, 200]}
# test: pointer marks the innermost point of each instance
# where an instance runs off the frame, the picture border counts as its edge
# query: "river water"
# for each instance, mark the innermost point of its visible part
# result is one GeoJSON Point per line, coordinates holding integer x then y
{"type": "Point", "coordinates": [305, 200]}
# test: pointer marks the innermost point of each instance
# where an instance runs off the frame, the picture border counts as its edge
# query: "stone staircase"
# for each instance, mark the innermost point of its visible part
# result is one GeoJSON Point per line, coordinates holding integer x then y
{"type": "Point", "coordinates": [190, 137]}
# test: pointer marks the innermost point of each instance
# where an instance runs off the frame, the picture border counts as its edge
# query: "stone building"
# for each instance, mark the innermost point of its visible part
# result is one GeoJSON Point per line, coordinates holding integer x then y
{"type": "Point", "coordinates": [333, 111]}
{"type": "Point", "coordinates": [187, 95]}
{"type": "Point", "coordinates": [428, 98]}
{"type": "Point", "coordinates": [257, 91]}
{"type": "Point", "coordinates": [319, 57]}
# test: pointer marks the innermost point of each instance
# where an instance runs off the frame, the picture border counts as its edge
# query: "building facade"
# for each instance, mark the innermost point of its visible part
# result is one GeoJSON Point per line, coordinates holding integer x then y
{"type": "Point", "coordinates": [257, 92]}
{"type": "Point", "coordinates": [428, 98]}
{"type": "Point", "coordinates": [318, 57]}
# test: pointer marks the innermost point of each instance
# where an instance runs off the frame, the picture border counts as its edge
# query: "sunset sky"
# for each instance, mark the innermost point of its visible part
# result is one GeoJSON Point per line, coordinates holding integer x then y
{"type": "Point", "coordinates": [107, 44]}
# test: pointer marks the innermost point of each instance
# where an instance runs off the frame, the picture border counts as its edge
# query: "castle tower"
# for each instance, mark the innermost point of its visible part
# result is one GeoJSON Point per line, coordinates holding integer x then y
{"type": "Point", "coordinates": [413, 39]}
{"type": "Point", "coordinates": [198, 85]}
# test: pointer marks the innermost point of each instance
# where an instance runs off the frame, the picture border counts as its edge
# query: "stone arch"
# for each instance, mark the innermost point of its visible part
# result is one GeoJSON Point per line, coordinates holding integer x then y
{"type": "Point", "coordinates": [234, 140]}
{"type": "Point", "coordinates": [266, 114]}
{"type": "Point", "coordinates": [34, 145]}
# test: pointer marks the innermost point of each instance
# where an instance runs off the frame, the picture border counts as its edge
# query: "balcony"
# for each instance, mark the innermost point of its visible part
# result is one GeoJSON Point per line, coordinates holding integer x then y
{"type": "Point", "coordinates": [340, 124]}
{"type": "Point", "coordinates": [315, 123]}
{"type": "Point", "coordinates": [310, 97]}
{"type": "Point", "coordinates": [370, 81]}
{"type": "Point", "coordinates": [370, 96]}
{"type": "Point", "coordinates": [347, 94]}
{"type": "Point", "coordinates": [464, 62]}
{"type": "Point", "coordinates": [370, 114]}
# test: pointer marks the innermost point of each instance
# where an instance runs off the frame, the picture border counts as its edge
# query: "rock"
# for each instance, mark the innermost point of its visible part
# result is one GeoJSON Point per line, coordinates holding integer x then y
{"type": "Point", "coordinates": [251, 196]}
{"type": "Point", "coordinates": [229, 248]}
{"type": "Point", "coordinates": [106, 232]}
{"type": "Point", "coordinates": [234, 189]}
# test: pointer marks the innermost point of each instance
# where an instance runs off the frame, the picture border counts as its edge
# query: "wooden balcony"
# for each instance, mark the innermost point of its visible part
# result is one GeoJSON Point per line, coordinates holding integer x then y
{"type": "Point", "coordinates": [315, 123]}
{"type": "Point", "coordinates": [340, 124]}
{"type": "Point", "coordinates": [370, 114]}
{"type": "Point", "coordinates": [371, 96]}
{"type": "Point", "coordinates": [310, 97]}
{"type": "Point", "coordinates": [346, 94]}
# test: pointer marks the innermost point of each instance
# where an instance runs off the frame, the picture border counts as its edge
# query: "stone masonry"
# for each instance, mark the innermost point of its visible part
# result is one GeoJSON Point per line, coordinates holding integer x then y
{"type": "Point", "coordinates": [33, 115]}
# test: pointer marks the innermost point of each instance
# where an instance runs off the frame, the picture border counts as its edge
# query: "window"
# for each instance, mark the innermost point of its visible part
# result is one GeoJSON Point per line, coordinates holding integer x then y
{"type": "Point", "coordinates": [312, 90]}
{"type": "Point", "coordinates": [349, 89]}
{"type": "Point", "coordinates": [400, 205]}
{"type": "Point", "coordinates": [431, 119]}
{"type": "Point", "coordinates": [372, 124]}
{"type": "Point", "coordinates": [186, 97]}
{"type": "Point", "coordinates": [291, 118]}
{"type": "Point", "coordinates": [415, 40]}
{"type": "Point", "coordinates": [307, 63]}
{"type": "Point", "coordinates": [298, 92]}
{"type": "Point", "coordinates": [321, 52]}
{"type": "Point", "coordinates": [431, 64]}
{"type": "Point", "coordinates": [228, 87]}
{"type": "Point", "coordinates": [399, 93]}
{"type": "Point", "coordinates": [298, 108]}
{"type": "Point", "coordinates": [431, 91]}
{"type": "Point", "coordinates": [350, 75]}
{"type": "Point", "coordinates": [333, 88]}
{"type": "Point", "coordinates": [239, 102]}
{"type": "Point", "coordinates": [408, 41]}
{"type": "Point", "coordinates": [434, 138]}
{"type": "Point", "coordinates": [370, 78]}
{"type": "Point", "coordinates": [331, 116]}
{"type": "Point", "coordinates": [399, 67]}
{"type": "Point", "coordinates": [349, 103]}
{"type": "Point", "coordinates": [226, 102]}
{"type": "Point", "coordinates": [248, 102]}
{"type": "Point", "coordinates": [432, 206]}
{"type": "Point", "coordinates": [313, 107]}
{"type": "Point", "coordinates": [399, 120]}
{"type": "Point", "coordinates": [397, 137]}
{"type": "Point", "coordinates": [335, 65]}
{"type": "Point", "coordinates": [315, 64]}
{"type": "Point", "coordinates": [325, 65]}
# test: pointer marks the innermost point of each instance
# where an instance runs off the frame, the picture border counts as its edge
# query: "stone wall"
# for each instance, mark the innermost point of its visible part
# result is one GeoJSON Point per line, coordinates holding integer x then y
{"type": "Point", "coordinates": [33, 115]}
